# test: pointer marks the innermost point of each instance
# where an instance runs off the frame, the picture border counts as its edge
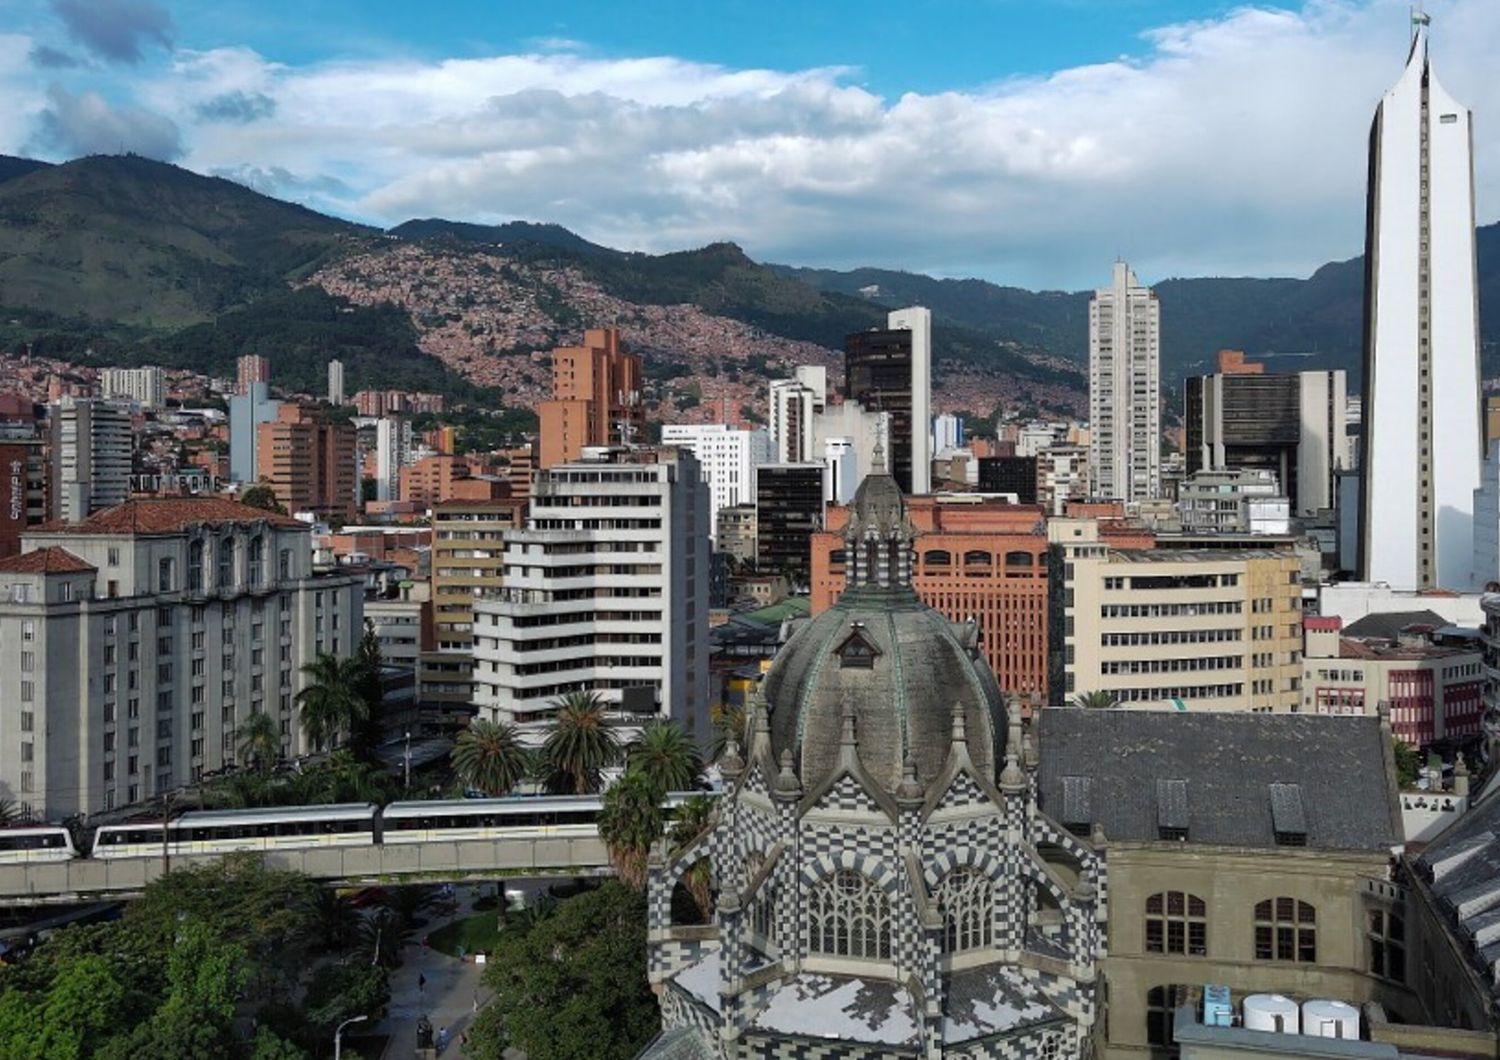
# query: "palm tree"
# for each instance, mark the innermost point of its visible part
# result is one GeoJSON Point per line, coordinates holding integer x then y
{"type": "Point", "coordinates": [260, 741]}
{"type": "Point", "coordinates": [1094, 700]}
{"type": "Point", "coordinates": [410, 902]}
{"type": "Point", "coordinates": [691, 820]}
{"type": "Point", "coordinates": [730, 722]}
{"type": "Point", "coordinates": [365, 734]}
{"type": "Point", "coordinates": [9, 811]}
{"type": "Point", "coordinates": [580, 746]}
{"type": "Point", "coordinates": [665, 754]}
{"type": "Point", "coordinates": [334, 918]}
{"type": "Point", "coordinates": [381, 935]}
{"type": "Point", "coordinates": [488, 755]}
{"type": "Point", "coordinates": [332, 702]}
{"type": "Point", "coordinates": [630, 820]}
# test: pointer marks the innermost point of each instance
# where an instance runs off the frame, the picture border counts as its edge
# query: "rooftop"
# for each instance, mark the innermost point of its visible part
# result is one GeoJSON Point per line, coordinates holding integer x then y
{"type": "Point", "coordinates": [1462, 866]}
{"type": "Point", "coordinates": [1388, 625]}
{"type": "Point", "coordinates": [1227, 779]}
{"type": "Point", "coordinates": [1375, 649]}
{"type": "Point", "coordinates": [45, 561]}
{"type": "Point", "coordinates": [1194, 555]}
{"type": "Point", "coordinates": [167, 515]}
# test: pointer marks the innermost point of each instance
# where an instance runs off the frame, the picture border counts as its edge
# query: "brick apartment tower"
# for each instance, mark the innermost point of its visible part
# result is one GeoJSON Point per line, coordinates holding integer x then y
{"type": "Point", "coordinates": [592, 386]}
{"type": "Point", "coordinates": [309, 462]}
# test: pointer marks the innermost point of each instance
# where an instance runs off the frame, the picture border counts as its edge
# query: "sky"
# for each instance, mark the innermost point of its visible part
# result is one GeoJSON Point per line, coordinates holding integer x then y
{"type": "Point", "coordinates": [1028, 143]}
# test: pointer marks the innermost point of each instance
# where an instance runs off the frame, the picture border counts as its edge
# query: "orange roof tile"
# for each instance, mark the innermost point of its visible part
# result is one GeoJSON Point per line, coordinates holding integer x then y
{"type": "Point", "coordinates": [45, 561]}
{"type": "Point", "coordinates": [167, 515]}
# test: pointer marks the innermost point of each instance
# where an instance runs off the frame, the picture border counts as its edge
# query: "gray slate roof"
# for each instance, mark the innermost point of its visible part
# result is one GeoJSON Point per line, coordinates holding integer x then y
{"type": "Point", "coordinates": [1234, 779]}
{"type": "Point", "coordinates": [680, 1043]}
{"type": "Point", "coordinates": [1387, 626]}
{"type": "Point", "coordinates": [1463, 865]}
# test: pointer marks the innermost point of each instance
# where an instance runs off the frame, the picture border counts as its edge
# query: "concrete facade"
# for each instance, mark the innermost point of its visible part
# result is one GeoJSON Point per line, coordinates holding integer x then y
{"type": "Point", "coordinates": [1125, 389]}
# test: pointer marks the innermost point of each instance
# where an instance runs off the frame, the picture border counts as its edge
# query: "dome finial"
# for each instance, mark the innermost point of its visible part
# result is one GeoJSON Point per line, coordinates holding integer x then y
{"type": "Point", "coordinates": [846, 734]}
{"type": "Point", "coordinates": [910, 789]}
{"type": "Point", "coordinates": [959, 735]}
{"type": "Point", "coordinates": [1012, 780]}
{"type": "Point", "coordinates": [877, 458]}
{"type": "Point", "coordinates": [787, 784]}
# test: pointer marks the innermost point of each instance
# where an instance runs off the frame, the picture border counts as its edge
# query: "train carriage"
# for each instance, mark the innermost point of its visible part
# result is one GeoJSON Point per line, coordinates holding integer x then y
{"type": "Point", "coordinates": [28, 844]}
{"type": "Point", "coordinates": [229, 831]}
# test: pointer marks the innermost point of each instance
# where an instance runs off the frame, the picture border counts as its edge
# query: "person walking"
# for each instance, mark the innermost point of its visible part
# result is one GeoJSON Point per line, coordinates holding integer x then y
{"type": "Point", "coordinates": [421, 984]}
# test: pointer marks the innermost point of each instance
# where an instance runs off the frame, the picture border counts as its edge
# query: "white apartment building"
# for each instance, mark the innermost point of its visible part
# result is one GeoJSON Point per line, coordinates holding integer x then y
{"type": "Point", "coordinates": [336, 382]}
{"type": "Point", "coordinates": [1062, 475]}
{"type": "Point", "coordinates": [918, 321]}
{"type": "Point", "coordinates": [92, 445]}
{"type": "Point", "coordinates": [1237, 501]}
{"type": "Point", "coordinates": [146, 387]}
{"type": "Point", "coordinates": [393, 448]}
{"type": "Point", "coordinates": [1125, 390]}
{"type": "Point", "coordinates": [792, 405]}
{"type": "Point", "coordinates": [134, 643]}
{"type": "Point", "coordinates": [605, 590]}
{"type": "Point", "coordinates": [727, 457]}
{"type": "Point", "coordinates": [1423, 438]}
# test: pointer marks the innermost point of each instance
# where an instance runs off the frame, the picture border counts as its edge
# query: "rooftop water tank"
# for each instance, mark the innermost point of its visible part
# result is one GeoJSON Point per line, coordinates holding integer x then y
{"type": "Point", "coordinates": [1216, 1007]}
{"type": "Point", "coordinates": [1271, 1012]}
{"type": "Point", "coordinates": [1330, 1019]}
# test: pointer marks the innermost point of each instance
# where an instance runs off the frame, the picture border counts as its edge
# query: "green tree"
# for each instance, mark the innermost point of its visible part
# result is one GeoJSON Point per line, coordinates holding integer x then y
{"type": "Point", "coordinates": [367, 732]}
{"type": "Point", "coordinates": [667, 756]}
{"type": "Point", "coordinates": [411, 902]}
{"type": "Point", "coordinates": [730, 722]}
{"type": "Point", "coordinates": [10, 812]}
{"type": "Point", "coordinates": [1094, 700]}
{"type": "Point", "coordinates": [1408, 763]}
{"type": "Point", "coordinates": [260, 741]}
{"type": "Point", "coordinates": [81, 1010]}
{"type": "Point", "coordinates": [334, 918]}
{"type": "Point", "coordinates": [338, 991]}
{"type": "Point", "coordinates": [196, 1018]}
{"type": "Point", "coordinates": [691, 821]}
{"type": "Point", "coordinates": [381, 936]}
{"type": "Point", "coordinates": [332, 702]}
{"type": "Point", "coordinates": [571, 986]}
{"type": "Point", "coordinates": [488, 755]}
{"type": "Point", "coordinates": [630, 820]}
{"type": "Point", "coordinates": [342, 777]}
{"type": "Point", "coordinates": [580, 746]}
{"type": "Point", "coordinates": [262, 496]}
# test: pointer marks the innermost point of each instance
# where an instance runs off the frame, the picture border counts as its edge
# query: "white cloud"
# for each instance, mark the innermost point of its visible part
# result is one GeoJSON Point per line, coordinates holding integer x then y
{"type": "Point", "coordinates": [1230, 146]}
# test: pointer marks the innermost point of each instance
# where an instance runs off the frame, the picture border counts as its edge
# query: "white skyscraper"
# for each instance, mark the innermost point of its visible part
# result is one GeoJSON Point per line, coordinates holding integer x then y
{"type": "Point", "coordinates": [792, 408]}
{"type": "Point", "coordinates": [728, 459]}
{"type": "Point", "coordinates": [146, 387]}
{"type": "Point", "coordinates": [1422, 433]}
{"type": "Point", "coordinates": [392, 453]}
{"type": "Point", "coordinates": [1125, 389]}
{"type": "Point", "coordinates": [918, 320]}
{"type": "Point", "coordinates": [335, 382]}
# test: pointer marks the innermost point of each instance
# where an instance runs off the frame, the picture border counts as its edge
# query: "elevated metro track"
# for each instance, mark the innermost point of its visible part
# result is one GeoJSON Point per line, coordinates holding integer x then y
{"type": "Point", "coordinates": [92, 879]}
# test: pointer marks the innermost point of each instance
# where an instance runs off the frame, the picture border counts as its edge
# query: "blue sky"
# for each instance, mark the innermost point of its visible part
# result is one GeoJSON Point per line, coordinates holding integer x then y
{"type": "Point", "coordinates": [1027, 143]}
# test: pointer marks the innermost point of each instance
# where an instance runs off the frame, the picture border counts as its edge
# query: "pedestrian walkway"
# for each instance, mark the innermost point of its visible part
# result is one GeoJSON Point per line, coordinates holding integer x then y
{"type": "Point", "coordinates": [448, 997]}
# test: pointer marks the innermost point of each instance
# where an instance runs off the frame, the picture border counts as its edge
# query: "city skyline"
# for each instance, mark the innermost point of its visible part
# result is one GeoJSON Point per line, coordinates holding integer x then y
{"type": "Point", "coordinates": [642, 141]}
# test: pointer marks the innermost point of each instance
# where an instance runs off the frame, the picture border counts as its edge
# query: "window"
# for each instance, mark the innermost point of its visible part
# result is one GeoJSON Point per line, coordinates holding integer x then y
{"type": "Point", "coordinates": [966, 900]}
{"type": "Point", "coordinates": [284, 564]}
{"type": "Point", "coordinates": [195, 566]}
{"type": "Point", "coordinates": [1162, 1003]}
{"type": "Point", "coordinates": [848, 916]}
{"type": "Point", "coordinates": [113, 555]}
{"type": "Point", "coordinates": [28, 662]}
{"type": "Point", "coordinates": [1388, 944]}
{"type": "Point", "coordinates": [225, 577]}
{"type": "Point", "coordinates": [257, 559]}
{"type": "Point", "coordinates": [1176, 922]}
{"type": "Point", "coordinates": [164, 575]}
{"type": "Point", "coordinates": [856, 652]}
{"type": "Point", "coordinates": [1286, 930]}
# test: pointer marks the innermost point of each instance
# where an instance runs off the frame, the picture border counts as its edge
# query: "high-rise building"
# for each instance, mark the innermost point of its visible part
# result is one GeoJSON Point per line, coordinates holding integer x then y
{"type": "Point", "coordinates": [1292, 425]}
{"type": "Point", "coordinates": [247, 411]}
{"type": "Point", "coordinates": [1422, 440]}
{"type": "Point", "coordinates": [146, 387]}
{"type": "Point", "coordinates": [793, 406]}
{"type": "Point", "coordinates": [335, 382]}
{"type": "Point", "coordinates": [890, 371]}
{"type": "Point", "coordinates": [251, 368]}
{"type": "Point", "coordinates": [1062, 476]}
{"type": "Point", "coordinates": [734, 532]}
{"type": "Point", "coordinates": [728, 458]}
{"type": "Point", "coordinates": [947, 432]}
{"type": "Point", "coordinates": [1125, 390]}
{"type": "Point", "coordinates": [595, 398]}
{"type": "Point", "coordinates": [431, 479]}
{"type": "Point", "coordinates": [606, 591]}
{"type": "Point", "coordinates": [392, 453]}
{"type": "Point", "coordinates": [134, 643]}
{"type": "Point", "coordinates": [309, 462]}
{"type": "Point", "coordinates": [1239, 501]}
{"type": "Point", "coordinates": [91, 445]}
{"type": "Point", "coordinates": [1009, 474]}
{"type": "Point", "coordinates": [23, 481]}
{"type": "Point", "coordinates": [788, 511]}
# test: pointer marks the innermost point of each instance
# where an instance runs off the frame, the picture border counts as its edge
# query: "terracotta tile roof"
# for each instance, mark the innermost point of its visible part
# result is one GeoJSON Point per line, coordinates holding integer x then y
{"type": "Point", "coordinates": [45, 561]}
{"type": "Point", "coordinates": [166, 515]}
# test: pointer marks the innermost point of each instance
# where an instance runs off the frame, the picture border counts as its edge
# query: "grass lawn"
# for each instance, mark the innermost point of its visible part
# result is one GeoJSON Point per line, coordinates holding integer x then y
{"type": "Point", "coordinates": [475, 934]}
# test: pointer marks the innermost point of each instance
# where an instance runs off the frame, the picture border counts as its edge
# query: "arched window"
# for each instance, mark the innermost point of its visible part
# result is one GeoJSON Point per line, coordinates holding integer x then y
{"type": "Point", "coordinates": [195, 566]}
{"type": "Point", "coordinates": [849, 916]}
{"type": "Point", "coordinates": [226, 564]}
{"type": "Point", "coordinates": [977, 558]}
{"type": "Point", "coordinates": [1176, 922]}
{"type": "Point", "coordinates": [257, 559]}
{"type": "Point", "coordinates": [966, 898]}
{"type": "Point", "coordinates": [937, 557]}
{"type": "Point", "coordinates": [1162, 1003]}
{"type": "Point", "coordinates": [1388, 944]}
{"type": "Point", "coordinates": [1286, 929]}
{"type": "Point", "coordinates": [1018, 559]}
{"type": "Point", "coordinates": [763, 906]}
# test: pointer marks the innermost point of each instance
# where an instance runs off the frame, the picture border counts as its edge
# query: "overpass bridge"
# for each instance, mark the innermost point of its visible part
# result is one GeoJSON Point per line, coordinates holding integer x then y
{"type": "Point", "coordinates": [435, 860]}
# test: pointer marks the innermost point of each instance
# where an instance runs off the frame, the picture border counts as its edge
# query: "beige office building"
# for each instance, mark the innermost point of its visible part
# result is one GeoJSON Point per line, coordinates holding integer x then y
{"type": "Point", "coordinates": [1186, 629]}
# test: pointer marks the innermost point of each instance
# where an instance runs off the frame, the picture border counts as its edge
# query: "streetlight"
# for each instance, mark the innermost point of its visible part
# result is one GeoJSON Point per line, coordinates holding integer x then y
{"type": "Point", "coordinates": [338, 1035]}
{"type": "Point", "coordinates": [408, 759]}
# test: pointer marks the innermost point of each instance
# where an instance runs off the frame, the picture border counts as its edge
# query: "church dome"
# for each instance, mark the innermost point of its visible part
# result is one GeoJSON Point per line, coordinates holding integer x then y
{"type": "Point", "coordinates": [900, 667]}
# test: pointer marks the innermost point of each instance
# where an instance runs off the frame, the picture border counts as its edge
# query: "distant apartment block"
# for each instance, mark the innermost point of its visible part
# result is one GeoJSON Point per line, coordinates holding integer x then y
{"type": "Point", "coordinates": [793, 406]}
{"type": "Point", "coordinates": [308, 462]}
{"type": "Point", "coordinates": [249, 369]}
{"type": "Point", "coordinates": [1125, 389]}
{"type": "Point", "coordinates": [1009, 474]}
{"type": "Point", "coordinates": [735, 530]}
{"type": "Point", "coordinates": [788, 511]}
{"type": "Point", "coordinates": [335, 382]}
{"type": "Point", "coordinates": [890, 370]}
{"type": "Point", "coordinates": [91, 447]}
{"type": "Point", "coordinates": [1062, 477]}
{"type": "Point", "coordinates": [595, 398]}
{"type": "Point", "coordinates": [728, 458]}
{"type": "Point", "coordinates": [146, 387]}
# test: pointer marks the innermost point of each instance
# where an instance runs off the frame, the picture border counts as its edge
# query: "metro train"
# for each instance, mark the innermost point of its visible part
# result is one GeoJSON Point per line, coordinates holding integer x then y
{"type": "Point", "coordinates": [302, 827]}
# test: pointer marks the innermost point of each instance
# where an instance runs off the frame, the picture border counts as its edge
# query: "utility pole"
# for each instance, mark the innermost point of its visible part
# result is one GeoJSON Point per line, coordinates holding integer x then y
{"type": "Point", "coordinates": [338, 1035]}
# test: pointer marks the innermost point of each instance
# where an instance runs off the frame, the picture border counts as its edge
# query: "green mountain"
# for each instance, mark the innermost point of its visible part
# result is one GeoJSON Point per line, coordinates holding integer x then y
{"type": "Point", "coordinates": [546, 235]}
{"type": "Point", "coordinates": [124, 240]}
{"type": "Point", "coordinates": [12, 167]}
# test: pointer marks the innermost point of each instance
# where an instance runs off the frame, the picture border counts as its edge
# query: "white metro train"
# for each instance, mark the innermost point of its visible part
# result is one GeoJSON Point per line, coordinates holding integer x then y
{"type": "Point", "coordinates": [302, 827]}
